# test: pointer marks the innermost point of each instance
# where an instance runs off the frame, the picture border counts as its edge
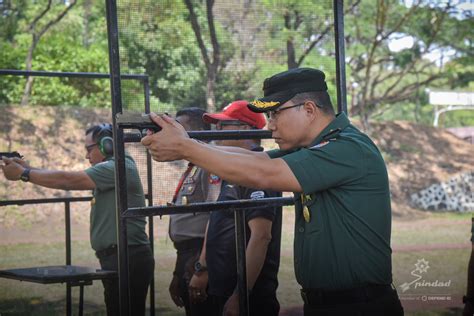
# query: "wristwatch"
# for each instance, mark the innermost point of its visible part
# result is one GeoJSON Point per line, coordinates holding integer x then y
{"type": "Point", "coordinates": [25, 176]}
{"type": "Point", "coordinates": [198, 267]}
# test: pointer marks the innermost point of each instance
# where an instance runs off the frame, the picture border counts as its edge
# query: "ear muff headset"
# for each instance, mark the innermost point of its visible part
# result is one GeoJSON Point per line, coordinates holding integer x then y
{"type": "Point", "coordinates": [105, 142]}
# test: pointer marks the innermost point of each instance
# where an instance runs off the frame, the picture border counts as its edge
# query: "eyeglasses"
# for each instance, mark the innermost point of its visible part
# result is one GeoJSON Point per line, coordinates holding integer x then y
{"type": "Point", "coordinates": [272, 115]}
{"type": "Point", "coordinates": [89, 148]}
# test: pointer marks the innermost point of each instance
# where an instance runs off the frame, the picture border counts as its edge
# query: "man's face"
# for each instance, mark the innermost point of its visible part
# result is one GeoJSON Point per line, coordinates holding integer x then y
{"type": "Point", "coordinates": [230, 125]}
{"type": "Point", "coordinates": [93, 153]}
{"type": "Point", "coordinates": [289, 125]}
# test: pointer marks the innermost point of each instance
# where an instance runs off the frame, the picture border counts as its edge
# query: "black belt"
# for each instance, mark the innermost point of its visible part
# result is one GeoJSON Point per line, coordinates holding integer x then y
{"type": "Point", "coordinates": [112, 250]}
{"type": "Point", "coordinates": [189, 244]}
{"type": "Point", "coordinates": [314, 297]}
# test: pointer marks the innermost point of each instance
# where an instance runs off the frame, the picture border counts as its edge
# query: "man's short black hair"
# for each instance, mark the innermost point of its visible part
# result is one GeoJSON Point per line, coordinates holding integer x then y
{"type": "Point", "coordinates": [100, 130]}
{"type": "Point", "coordinates": [195, 117]}
{"type": "Point", "coordinates": [321, 98]}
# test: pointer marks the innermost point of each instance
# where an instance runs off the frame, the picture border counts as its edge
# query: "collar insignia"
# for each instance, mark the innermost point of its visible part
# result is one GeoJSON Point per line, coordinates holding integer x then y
{"type": "Point", "coordinates": [320, 145]}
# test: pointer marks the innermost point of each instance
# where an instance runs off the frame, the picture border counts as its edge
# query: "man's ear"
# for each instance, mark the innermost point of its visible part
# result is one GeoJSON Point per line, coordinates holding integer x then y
{"type": "Point", "coordinates": [311, 109]}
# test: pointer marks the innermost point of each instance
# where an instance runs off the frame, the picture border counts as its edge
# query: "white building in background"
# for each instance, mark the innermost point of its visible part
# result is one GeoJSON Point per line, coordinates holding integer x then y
{"type": "Point", "coordinates": [445, 101]}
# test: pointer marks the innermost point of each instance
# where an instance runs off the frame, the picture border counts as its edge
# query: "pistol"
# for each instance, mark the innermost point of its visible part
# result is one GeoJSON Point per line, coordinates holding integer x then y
{"type": "Point", "coordinates": [138, 121]}
{"type": "Point", "coordinates": [11, 154]}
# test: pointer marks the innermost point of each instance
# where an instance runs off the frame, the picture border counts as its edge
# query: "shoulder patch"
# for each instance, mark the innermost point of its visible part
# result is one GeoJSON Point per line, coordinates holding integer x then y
{"type": "Point", "coordinates": [257, 195]}
{"type": "Point", "coordinates": [322, 144]}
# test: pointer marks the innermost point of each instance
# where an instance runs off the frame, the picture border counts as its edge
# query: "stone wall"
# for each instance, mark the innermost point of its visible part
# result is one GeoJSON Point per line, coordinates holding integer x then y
{"type": "Point", "coordinates": [455, 194]}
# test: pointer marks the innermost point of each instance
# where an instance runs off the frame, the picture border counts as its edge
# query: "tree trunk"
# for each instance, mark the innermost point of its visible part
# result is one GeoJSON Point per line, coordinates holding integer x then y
{"type": "Point", "coordinates": [364, 120]}
{"type": "Point", "coordinates": [36, 36]}
{"type": "Point", "coordinates": [290, 49]}
{"type": "Point", "coordinates": [210, 93]}
{"type": "Point", "coordinates": [87, 13]}
{"type": "Point", "coordinates": [29, 80]}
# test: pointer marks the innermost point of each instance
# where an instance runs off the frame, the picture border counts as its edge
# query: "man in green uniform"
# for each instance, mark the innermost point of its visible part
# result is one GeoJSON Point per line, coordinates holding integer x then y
{"type": "Point", "coordinates": [343, 215]}
{"type": "Point", "coordinates": [100, 178]}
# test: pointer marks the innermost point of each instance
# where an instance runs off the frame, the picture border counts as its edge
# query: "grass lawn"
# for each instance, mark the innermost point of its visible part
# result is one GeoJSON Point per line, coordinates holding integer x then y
{"type": "Point", "coordinates": [445, 265]}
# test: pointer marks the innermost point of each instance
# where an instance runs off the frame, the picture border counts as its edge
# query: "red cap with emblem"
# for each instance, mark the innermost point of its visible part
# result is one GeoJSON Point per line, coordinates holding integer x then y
{"type": "Point", "coordinates": [237, 111]}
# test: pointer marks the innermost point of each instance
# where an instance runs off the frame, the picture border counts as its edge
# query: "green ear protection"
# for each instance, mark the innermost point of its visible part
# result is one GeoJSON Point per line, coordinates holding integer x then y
{"type": "Point", "coordinates": [105, 142]}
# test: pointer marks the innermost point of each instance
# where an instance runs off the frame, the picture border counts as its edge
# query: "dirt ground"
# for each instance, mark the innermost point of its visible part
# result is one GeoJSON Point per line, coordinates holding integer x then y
{"type": "Point", "coordinates": [52, 138]}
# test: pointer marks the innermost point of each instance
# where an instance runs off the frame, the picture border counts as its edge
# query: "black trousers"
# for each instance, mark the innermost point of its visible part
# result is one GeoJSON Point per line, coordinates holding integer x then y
{"type": "Point", "coordinates": [259, 305]}
{"type": "Point", "coordinates": [184, 269]}
{"type": "Point", "coordinates": [387, 305]}
{"type": "Point", "coordinates": [141, 267]}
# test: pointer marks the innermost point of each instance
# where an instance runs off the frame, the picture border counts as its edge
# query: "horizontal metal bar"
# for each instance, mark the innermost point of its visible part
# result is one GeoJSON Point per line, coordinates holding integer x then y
{"type": "Point", "coordinates": [35, 73]}
{"type": "Point", "coordinates": [45, 201]}
{"type": "Point", "coordinates": [211, 135]}
{"type": "Point", "coordinates": [206, 207]}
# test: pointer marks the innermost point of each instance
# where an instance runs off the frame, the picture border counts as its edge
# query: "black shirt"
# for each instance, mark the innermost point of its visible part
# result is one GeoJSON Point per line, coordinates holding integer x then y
{"type": "Point", "coordinates": [221, 249]}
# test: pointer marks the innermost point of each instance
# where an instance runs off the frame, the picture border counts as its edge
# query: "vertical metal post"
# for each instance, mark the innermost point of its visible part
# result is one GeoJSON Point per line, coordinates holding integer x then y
{"type": "Point", "coordinates": [340, 56]}
{"type": "Point", "coordinates": [67, 219]}
{"type": "Point", "coordinates": [81, 300]}
{"type": "Point", "coordinates": [119, 155]}
{"type": "Point", "coordinates": [149, 169]}
{"type": "Point", "coordinates": [241, 246]}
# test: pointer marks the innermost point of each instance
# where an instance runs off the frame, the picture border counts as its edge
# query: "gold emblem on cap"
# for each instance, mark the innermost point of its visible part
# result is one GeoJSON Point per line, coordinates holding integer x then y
{"type": "Point", "coordinates": [264, 105]}
{"type": "Point", "coordinates": [184, 200]}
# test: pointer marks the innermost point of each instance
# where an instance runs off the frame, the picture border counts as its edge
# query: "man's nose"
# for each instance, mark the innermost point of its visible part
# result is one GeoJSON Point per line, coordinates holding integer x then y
{"type": "Point", "coordinates": [271, 125]}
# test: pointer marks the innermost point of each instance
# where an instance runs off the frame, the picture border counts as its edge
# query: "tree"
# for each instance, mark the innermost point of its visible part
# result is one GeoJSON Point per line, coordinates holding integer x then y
{"type": "Point", "coordinates": [37, 32]}
{"type": "Point", "coordinates": [60, 49]}
{"type": "Point", "coordinates": [305, 25]}
{"type": "Point", "coordinates": [382, 76]}
{"type": "Point", "coordinates": [212, 60]}
{"type": "Point", "coordinates": [157, 39]}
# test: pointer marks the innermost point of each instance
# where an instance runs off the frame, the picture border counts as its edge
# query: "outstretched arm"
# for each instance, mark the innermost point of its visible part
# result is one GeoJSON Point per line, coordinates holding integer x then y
{"type": "Point", "coordinates": [55, 179]}
{"type": "Point", "coordinates": [244, 168]}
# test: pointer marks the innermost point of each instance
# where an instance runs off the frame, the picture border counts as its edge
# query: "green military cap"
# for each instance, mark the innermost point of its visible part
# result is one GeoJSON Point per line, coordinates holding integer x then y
{"type": "Point", "coordinates": [285, 85]}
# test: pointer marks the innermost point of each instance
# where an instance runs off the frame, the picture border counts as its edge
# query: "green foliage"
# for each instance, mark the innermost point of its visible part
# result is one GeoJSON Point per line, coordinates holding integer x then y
{"type": "Point", "coordinates": [164, 48]}
{"type": "Point", "coordinates": [156, 39]}
{"type": "Point", "coordinates": [380, 77]}
{"type": "Point", "coordinates": [11, 13]}
{"type": "Point", "coordinates": [61, 49]}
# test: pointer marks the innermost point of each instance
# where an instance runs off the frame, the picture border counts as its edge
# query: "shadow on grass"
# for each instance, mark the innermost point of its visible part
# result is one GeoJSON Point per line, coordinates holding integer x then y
{"type": "Point", "coordinates": [39, 307]}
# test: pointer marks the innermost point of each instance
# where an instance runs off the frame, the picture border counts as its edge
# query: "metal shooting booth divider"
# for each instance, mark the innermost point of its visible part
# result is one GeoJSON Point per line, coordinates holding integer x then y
{"type": "Point", "coordinates": [73, 275]}
{"type": "Point", "coordinates": [123, 212]}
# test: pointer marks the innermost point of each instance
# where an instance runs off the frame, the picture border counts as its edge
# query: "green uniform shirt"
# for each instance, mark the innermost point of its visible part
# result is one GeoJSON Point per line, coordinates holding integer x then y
{"type": "Point", "coordinates": [345, 240]}
{"type": "Point", "coordinates": [103, 231]}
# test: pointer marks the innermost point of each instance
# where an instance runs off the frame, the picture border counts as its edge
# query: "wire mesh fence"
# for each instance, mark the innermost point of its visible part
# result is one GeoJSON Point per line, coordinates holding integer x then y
{"type": "Point", "coordinates": [253, 40]}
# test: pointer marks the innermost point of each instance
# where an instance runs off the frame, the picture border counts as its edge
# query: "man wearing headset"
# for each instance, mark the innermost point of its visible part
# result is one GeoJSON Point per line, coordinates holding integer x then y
{"type": "Point", "coordinates": [100, 178]}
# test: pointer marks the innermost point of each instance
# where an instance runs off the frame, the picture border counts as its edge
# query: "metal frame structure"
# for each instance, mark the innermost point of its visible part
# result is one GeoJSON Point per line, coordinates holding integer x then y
{"type": "Point", "coordinates": [146, 90]}
{"type": "Point", "coordinates": [123, 212]}
{"type": "Point", "coordinates": [67, 222]}
{"type": "Point", "coordinates": [119, 139]}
